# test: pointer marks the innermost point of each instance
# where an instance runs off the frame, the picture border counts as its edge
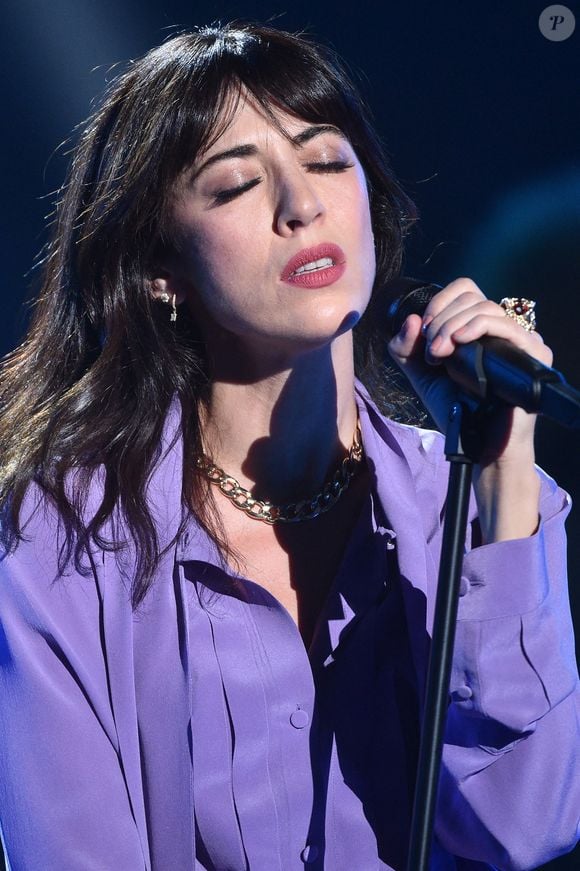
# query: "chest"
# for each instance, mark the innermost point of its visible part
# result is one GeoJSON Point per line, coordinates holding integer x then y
{"type": "Point", "coordinates": [297, 563]}
{"type": "Point", "coordinates": [298, 577]}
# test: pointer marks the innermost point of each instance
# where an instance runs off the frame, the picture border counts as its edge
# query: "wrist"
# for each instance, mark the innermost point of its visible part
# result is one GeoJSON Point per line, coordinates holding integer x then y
{"type": "Point", "coordinates": [507, 494]}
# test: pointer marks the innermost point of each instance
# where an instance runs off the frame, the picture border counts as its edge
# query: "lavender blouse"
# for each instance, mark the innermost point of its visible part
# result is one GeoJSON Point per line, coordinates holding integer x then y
{"type": "Point", "coordinates": [199, 733]}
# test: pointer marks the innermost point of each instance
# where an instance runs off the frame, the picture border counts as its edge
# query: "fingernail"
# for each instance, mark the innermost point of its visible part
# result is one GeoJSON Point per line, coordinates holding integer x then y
{"type": "Point", "coordinates": [435, 344]}
{"type": "Point", "coordinates": [425, 324]}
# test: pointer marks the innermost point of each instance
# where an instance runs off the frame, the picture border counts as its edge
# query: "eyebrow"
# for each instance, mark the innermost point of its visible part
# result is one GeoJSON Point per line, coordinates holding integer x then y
{"type": "Point", "coordinates": [249, 149]}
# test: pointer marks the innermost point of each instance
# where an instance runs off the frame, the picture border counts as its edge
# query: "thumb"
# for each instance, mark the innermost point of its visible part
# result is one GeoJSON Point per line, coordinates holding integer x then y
{"type": "Point", "coordinates": [408, 343]}
{"type": "Point", "coordinates": [436, 393]}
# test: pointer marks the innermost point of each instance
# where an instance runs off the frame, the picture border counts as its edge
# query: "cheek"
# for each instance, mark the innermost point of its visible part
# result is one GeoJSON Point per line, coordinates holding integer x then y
{"type": "Point", "coordinates": [220, 269]}
{"type": "Point", "coordinates": [214, 256]}
{"type": "Point", "coordinates": [368, 258]}
{"type": "Point", "coordinates": [357, 206]}
{"type": "Point", "coordinates": [366, 240]}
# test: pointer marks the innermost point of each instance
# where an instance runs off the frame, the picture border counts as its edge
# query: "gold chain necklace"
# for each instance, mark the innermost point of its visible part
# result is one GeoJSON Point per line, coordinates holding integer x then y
{"type": "Point", "coordinates": [293, 512]}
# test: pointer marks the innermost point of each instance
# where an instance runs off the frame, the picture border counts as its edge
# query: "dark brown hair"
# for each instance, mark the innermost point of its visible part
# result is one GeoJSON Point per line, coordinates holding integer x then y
{"type": "Point", "coordinates": [91, 384]}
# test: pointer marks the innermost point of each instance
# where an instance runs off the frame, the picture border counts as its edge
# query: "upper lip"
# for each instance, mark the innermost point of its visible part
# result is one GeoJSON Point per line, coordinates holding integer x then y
{"type": "Point", "coordinates": [307, 255]}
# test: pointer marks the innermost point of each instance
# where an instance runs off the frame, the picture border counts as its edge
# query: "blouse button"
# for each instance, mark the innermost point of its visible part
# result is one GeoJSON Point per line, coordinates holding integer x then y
{"type": "Point", "coordinates": [461, 694]}
{"type": "Point", "coordinates": [464, 586]}
{"type": "Point", "coordinates": [309, 854]}
{"type": "Point", "coordinates": [299, 719]}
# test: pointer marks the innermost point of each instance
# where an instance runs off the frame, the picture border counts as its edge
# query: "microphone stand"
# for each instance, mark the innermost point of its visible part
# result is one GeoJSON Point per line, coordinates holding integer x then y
{"type": "Point", "coordinates": [462, 449]}
{"type": "Point", "coordinates": [542, 391]}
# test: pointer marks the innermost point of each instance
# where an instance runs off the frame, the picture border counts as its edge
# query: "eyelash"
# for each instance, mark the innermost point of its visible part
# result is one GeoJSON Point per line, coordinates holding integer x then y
{"type": "Point", "coordinates": [332, 166]}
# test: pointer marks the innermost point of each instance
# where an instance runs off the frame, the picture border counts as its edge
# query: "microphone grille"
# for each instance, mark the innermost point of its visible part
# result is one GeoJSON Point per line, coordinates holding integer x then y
{"type": "Point", "coordinates": [408, 296]}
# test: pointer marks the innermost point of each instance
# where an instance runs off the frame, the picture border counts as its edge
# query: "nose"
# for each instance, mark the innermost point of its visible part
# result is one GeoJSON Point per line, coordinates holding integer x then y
{"type": "Point", "coordinates": [299, 202]}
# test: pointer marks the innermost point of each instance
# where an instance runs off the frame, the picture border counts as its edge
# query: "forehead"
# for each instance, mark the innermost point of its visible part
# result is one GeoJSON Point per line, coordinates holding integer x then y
{"type": "Point", "coordinates": [242, 117]}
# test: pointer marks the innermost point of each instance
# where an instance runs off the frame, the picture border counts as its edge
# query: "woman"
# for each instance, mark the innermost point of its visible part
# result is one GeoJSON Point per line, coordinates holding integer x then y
{"type": "Point", "coordinates": [188, 679]}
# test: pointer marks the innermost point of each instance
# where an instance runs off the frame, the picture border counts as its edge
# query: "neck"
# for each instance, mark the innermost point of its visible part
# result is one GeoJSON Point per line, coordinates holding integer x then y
{"type": "Point", "coordinates": [281, 433]}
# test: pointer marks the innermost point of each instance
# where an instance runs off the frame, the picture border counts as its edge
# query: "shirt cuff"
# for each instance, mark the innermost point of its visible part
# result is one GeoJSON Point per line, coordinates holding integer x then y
{"type": "Point", "coordinates": [508, 578]}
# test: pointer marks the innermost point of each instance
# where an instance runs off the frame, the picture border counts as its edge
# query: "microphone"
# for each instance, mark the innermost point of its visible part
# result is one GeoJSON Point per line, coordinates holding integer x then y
{"type": "Point", "coordinates": [490, 368]}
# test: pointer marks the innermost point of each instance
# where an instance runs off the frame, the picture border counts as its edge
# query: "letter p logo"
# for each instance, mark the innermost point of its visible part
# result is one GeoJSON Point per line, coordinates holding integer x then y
{"type": "Point", "coordinates": [557, 23]}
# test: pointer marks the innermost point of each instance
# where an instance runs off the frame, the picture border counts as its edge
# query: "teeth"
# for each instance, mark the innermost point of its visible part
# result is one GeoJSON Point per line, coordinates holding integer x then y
{"type": "Point", "coordinates": [314, 264]}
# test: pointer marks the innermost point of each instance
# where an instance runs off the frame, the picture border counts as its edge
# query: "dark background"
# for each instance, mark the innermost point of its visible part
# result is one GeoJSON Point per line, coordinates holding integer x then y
{"type": "Point", "coordinates": [478, 110]}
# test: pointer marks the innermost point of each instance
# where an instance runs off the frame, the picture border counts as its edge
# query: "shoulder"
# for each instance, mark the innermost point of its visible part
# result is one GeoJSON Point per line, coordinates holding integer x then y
{"type": "Point", "coordinates": [422, 449]}
{"type": "Point", "coordinates": [409, 468]}
{"type": "Point", "coordinates": [44, 527]}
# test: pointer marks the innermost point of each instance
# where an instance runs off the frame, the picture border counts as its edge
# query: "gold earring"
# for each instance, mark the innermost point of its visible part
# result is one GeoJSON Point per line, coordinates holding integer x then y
{"type": "Point", "coordinates": [164, 297]}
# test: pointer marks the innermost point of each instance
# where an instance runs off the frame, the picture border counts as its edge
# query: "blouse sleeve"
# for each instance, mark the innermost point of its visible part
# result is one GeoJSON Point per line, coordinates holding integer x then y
{"type": "Point", "coordinates": [510, 783]}
{"type": "Point", "coordinates": [64, 803]}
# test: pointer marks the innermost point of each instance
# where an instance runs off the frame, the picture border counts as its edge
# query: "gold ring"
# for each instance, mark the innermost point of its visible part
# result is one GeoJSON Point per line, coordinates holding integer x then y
{"type": "Point", "coordinates": [521, 311]}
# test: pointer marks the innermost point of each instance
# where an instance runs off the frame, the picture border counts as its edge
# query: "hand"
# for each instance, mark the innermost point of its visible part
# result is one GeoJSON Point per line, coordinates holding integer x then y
{"type": "Point", "coordinates": [458, 314]}
{"type": "Point", "coordinates": [505, 481]}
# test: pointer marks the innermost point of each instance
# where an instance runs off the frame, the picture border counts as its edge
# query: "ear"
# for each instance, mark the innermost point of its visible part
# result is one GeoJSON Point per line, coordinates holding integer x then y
{"type": "Point", "coordinates": [162, 281]}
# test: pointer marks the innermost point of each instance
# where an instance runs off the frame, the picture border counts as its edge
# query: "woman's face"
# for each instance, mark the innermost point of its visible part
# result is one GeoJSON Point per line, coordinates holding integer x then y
{"type": "Point", "coordinates": [247, 207]}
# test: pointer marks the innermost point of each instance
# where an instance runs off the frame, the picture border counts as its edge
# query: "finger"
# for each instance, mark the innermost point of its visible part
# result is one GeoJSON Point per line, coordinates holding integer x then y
{"type": "Point", "coordinates": [408, 342]}
{"type": "Point", "coordinates": [482, 325]}
{"type": "Point", "coordinates": [456, 315]}
{"type": "Point", "coordinates": [451, 292]}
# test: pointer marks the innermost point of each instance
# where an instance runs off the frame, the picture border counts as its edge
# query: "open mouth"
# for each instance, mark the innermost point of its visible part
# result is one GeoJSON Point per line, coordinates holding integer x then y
{"type": "Point", "coordinates": [324, 262]}
{"type": "Point", "coordinates": [317, 258]}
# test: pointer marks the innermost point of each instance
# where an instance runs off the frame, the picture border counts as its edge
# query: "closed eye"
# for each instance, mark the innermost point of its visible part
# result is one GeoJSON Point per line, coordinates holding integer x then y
{"type": "Point", "coordinates": [226, 196]}
{"type": "Point", "coordinates": [330, 166]}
